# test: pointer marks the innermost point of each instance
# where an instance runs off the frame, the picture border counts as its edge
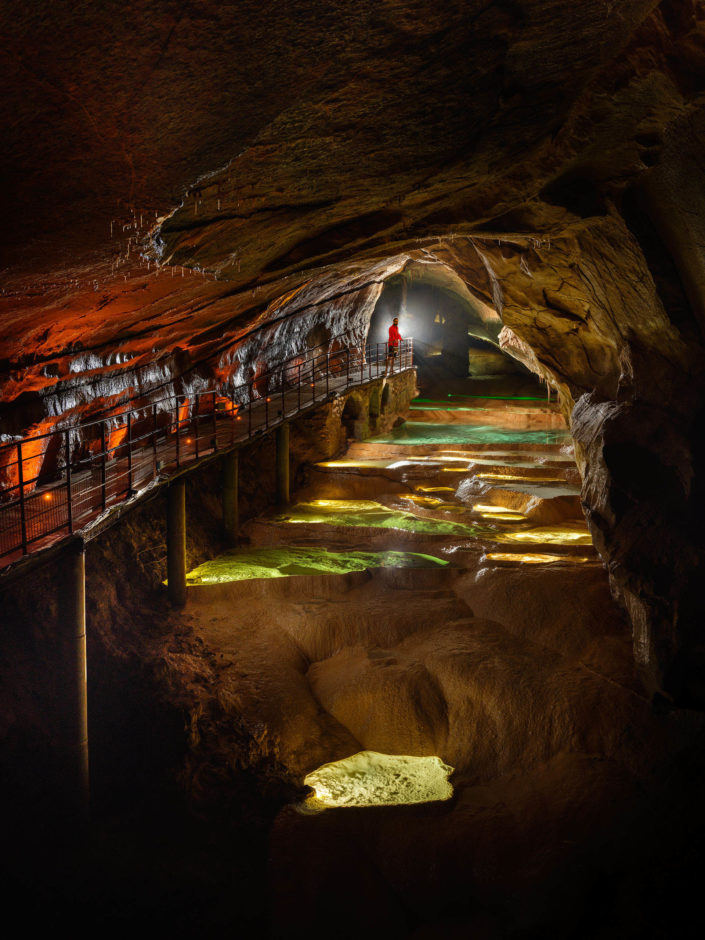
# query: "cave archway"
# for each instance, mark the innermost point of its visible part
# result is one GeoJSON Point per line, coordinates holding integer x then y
{"type": "Point", "coordinates": [456, 334]}
{"type": "Point", "coordinates": [354, 417]}
{"type": "Point", "coordinates": [374, 405]}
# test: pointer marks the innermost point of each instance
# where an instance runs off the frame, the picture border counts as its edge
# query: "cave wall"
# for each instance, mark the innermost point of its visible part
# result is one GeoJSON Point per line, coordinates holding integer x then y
{"type": "Point", "coordinates": [183, 222]}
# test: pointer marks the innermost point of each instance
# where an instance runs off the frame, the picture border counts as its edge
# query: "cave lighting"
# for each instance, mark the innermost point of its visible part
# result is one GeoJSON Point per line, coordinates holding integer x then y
{"type": "Point", "coordinates": [565, 534]}
{"type": "Point", "coordinates": [504, 516]}
{"type": "Point", "coordinates": [340, 464]}
{"type": "Point", "coordinates": [291, 561]}
{"type": "Point", "coordinates": [116, 437]}
{"type": "Point", "coordinates": [47, 496]}
{"type": "Point", "coordinates": [520, 478]}
{"type": "Point", "coordinates": [369, 778]}
{"type": "Point", "coordinates": [33, 451]}
{"type": "Point", "coordinates": [435, 489]}
{"type": "Point", "coordinates": [535, 558]}
{"type": "Point", "coordinates": [490, 507]}
{"type": "Point", "coordinates": [369, 514]}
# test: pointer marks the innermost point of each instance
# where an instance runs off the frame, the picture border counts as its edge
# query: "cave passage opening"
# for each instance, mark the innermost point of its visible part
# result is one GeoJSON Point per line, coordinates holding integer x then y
{"type": "Point", "coordinates": [456, 336]}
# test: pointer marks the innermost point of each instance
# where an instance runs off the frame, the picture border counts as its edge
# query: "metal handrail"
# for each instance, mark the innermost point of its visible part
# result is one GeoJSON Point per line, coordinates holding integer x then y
{"type": "Point", "coordinates": [63, 479]}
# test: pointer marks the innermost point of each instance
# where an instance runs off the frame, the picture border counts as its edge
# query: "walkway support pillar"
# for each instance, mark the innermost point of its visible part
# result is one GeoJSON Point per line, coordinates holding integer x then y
{"type": "Point", "coordinates": [231, 509]}
{"type": "Point", "coordinates": [176, 542]}
{"type": "Point", "coordinates": [283, 464]}
{"type": "Point", "coordinates": [72, 724]}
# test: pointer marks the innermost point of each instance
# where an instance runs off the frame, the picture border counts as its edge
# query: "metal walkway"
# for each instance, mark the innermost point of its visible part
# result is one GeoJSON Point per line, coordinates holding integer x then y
{"type": "Point", "coordinates": [57, 484]}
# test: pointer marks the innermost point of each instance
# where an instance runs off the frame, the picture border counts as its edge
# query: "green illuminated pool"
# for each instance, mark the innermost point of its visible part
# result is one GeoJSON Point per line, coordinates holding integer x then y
{"type": "Point", "coordinates": [287, 561]}
{"type": "Point", "coordinates": [426, 432]}
{"type": "Point", "coordinates": [363, 512]}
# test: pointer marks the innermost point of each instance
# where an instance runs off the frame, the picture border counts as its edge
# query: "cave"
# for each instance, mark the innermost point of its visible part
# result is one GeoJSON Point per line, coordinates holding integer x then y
{"type": "Point", "coordinates": [301, 634]}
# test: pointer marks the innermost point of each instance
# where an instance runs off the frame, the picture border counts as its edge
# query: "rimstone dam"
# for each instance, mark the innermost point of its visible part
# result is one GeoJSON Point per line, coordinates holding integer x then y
{"type": "Point", "coordinates": [352, 468]}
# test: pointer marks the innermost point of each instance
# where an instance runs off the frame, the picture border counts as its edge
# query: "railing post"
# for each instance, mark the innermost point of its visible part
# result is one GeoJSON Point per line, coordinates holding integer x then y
{"type": "Point", "coordinates": [230, 496]}
{"type": "Point", "coordinates": [23, 518]}
{"type": "Point", "coordinates": [283, 394]}
{"type": "Point", "coordinates": [178, 431]}
{"type": "Point", "coordinates": [282, 463]}
{"type": "Point", "coordinates": [298, 384]}
{"type": "Point", "coordinates": [103, 467]}
{"type": "Point", "coordinates": [327, 374]}
{"type": "Point", "coordinates": [129, 453]}
{"type": "Point", "coordinates": [69, 507]}
{"type": "Point", "coordinates": [195, 421]}
{"type": "Point", "coordinates": [154, 441]}
{"type": "Point", "coordinates": [266, 412]}
{"type": "Point", "coordinates": [347, 366]}
{"type": "Point", "coordinates": [313, 379]}
{"type": "Point", "coordinates": [362, 363]}
{"type": "Point", "coordinates": [70, 719]}
{"type": "Point", "coordinates": [233, 416]}
{"type": "Point", "coordinates": [215, 426]}
{"type": "Point", "coordinates": [249, 412]}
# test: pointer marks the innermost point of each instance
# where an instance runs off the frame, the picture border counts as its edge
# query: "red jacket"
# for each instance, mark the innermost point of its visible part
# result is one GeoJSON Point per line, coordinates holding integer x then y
{"type": "Point", "coordinates": [394, 335]}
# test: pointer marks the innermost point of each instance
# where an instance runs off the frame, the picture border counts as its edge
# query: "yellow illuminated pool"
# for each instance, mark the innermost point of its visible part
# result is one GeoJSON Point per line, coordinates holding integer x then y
{"type": "Point", "coordinates": [518, 478]}
{"type": "Point", "coordinates": [565, 533]}
{"type": "Point", "coordinates": [365, 512]}
{"type": "Point", "coordinates": [535, 558]}
{"type": "Point", "coordinates": [369, 778]}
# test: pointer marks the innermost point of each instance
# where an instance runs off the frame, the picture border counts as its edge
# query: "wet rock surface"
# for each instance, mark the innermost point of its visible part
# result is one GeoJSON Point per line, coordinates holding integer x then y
{"type": "Point", "coordinates": [539, 162]}
{"type": "Point", "coordinates": [519, 677]}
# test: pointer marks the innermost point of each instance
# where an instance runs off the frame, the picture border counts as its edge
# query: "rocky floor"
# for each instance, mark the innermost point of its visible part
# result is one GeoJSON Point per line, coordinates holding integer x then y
{"type": "Point", "coordinates": [482, 632]}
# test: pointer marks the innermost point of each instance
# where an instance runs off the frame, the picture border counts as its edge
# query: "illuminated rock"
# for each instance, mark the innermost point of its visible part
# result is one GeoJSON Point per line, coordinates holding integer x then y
{"type": "Point", "coordinates": [369, 514]}
{"type": "Point", "coordinates": [373, 779]}
{"type": "Point", "coordinates": [291, 561]}
{"type": "Point", "coordinates": [575, 533]}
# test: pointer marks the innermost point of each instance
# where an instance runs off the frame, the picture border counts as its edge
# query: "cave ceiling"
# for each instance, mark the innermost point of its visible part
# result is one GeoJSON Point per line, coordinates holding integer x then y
{"type": "Point", "coordinates": [179, 175]}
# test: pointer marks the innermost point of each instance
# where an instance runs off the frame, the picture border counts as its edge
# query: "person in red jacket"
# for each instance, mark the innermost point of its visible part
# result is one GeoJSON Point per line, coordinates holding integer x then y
{"type": "Point", "coordinates": [392, 345]}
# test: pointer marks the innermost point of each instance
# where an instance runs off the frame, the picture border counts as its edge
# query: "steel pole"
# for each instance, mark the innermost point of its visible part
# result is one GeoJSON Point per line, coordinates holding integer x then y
{"type": "Point", "coordinates": [176, 542]}
{"type": "Point", "coordinates": [71, 679]}
{"type": "Point", "coordinates": [23, 516]}
{"type": "Point", "coordinates": [231, 515]}
{"type": "Point", "coordinates": [282, 460]}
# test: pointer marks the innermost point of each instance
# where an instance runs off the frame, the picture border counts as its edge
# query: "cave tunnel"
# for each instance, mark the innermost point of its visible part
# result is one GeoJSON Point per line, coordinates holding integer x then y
{"type": "Point", "coordinates": [301, 633]}
{"type": "Point", "coordinates": [456, 335]}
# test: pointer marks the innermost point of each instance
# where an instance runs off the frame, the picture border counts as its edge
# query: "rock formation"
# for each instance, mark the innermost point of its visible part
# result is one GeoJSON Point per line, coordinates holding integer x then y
{"type": "Point", "coordinates": [193, 193]}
